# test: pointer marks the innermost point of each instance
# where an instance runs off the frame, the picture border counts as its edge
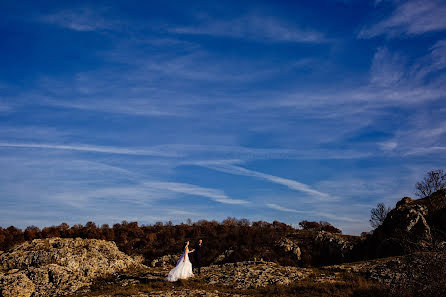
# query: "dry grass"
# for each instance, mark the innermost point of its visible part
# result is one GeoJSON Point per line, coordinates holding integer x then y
{"type": "Point", "coordinates": [349, 285]}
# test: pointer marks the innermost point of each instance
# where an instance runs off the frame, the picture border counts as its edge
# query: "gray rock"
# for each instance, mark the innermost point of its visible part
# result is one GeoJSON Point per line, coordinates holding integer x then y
{"type": "Point", "coordinates": [290, 246]}
{"type": "Point", "coordinates": [59, 266]}
{"type": "Point", "coordinates": [332, 246]}
{"type": "Point", "coordinates": [16, 285]}
{"type": "Point", "coordinates": [408, 219]}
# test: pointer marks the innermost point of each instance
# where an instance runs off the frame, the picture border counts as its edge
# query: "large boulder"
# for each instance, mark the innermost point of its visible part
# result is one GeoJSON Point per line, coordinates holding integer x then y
{"type": "Point", "coordinates": [405, 229]}
{"type": "Point", "coordinates": [290, 246]}
{"type": "Point", "coordinates": [59, 266]}
{"type": "Point", "coordinates": [331, 248]}
{"type": "Point", "coordinates": [414, 225]}
{"type": "Point", "coordinates": [410, 217]}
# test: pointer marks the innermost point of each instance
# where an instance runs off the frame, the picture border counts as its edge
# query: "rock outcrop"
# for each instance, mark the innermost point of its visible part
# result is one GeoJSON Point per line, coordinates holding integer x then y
{"type": "Point", "coordinates": [57, 266]}
{"type": "Point", "coordinates": [410, 217]}
{"type": "Point", "coordinates": [290, 246]}
{"type": "Point", "coordinates": [332, 248]}
{"type": "Point", "coordinates": [414, 225]}
{"type": "Point", "coordinates": [418, 272]}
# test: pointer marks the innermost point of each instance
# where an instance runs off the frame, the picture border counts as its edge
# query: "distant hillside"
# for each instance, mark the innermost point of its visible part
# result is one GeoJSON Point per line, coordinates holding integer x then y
{"type": "Point", "coordinates": [231, 240]}
{"type": "Point", "coordinates": [412, 226]}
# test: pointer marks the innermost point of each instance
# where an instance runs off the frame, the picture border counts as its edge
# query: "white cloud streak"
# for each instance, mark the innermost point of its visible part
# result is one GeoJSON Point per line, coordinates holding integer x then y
{"type": "Point", "coordinates": [214, 194]}
{"type": "Point", "coordinates": [281, 208]}
{"type": "Point", "coordinates": [91, 148]}
{"type": "Point", "coordinates": [82, 19]}
{"type": "Point", "coordinates": [313, 213]}
{"type": "Point", "coordinates": [425, 150]}
{"type": "Point", "coordinates": [413, 17]}
{"type": "Point", "coordinates": [231, 154]}
{"type": "Point", "coordinates": [136, 107]}
{"type": "Point", "coordinates": [292, 184]}
{"type": "Point", "coordinates": [253, 27]}
{"type": "Point", "coordinates": [392, 83]}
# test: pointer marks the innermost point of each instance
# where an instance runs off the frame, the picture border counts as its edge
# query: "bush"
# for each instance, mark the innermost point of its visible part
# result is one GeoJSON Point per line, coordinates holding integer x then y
{"type": "Point", "coordinates": [321, 226]}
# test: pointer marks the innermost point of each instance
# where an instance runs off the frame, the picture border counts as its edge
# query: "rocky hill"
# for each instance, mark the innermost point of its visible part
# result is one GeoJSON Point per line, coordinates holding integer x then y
{"type": "Point", "coordinates": [414, 225]}
{"type": "Point", "coordinates": [56, 266]}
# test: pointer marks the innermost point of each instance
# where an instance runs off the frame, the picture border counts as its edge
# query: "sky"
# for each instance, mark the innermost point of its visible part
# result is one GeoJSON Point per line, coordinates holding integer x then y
{"type": "Point", "coordinates": [266, 110]}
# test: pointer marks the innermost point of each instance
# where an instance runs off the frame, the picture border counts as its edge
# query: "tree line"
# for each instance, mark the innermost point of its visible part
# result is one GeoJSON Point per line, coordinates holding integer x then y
{"type": "Point", "coordinates": [248, 239]}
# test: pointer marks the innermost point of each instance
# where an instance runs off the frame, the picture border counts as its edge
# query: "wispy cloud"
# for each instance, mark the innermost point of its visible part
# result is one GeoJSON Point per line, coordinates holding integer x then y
{"type": "Point", "coordinates": [207, 154]}
{"type": "Point", "coordinates": [413, 17]}
{"type": "Point", "coordinates": [424, 135]}
{"type": "Point", "coordinates": [254, 27]}
{"type": "Point", "coordinates": [281, 208]}
{"type": "Point", "coordinates": [363, 100]}
{"type": "Point", "coordinates": [83, 198]}
{"type": "Point", "coordinates": [431, 63]}
{"type": "Point", "coordinates": [387, 68]}
{"type": "Point", "coordinates": [81, 19]}
{"type": "Point", "coordinates": [425, 150]}
{"type": "Point", "coordinates": [135, 107]}
{"type": "Point", "coordinates": [90, 148]}
{"type": "Point", "coordinates": [319, 214]}
{"type": "Point", "coordinates": [214, 194]}
{"type": "Point", "coordinates": [292, 184]}
{"type": "Point", "coordinates": [239, 154]}
{"type": "Point", "coordinates": [393, 82]}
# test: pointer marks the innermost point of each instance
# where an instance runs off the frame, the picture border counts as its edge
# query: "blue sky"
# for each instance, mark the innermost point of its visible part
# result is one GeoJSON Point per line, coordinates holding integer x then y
{"type": "Point", "coordinates": [265, 110]}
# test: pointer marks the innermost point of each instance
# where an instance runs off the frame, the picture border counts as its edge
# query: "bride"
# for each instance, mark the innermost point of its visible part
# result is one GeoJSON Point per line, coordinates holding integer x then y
{"type": "Point", "coordinates": [184, 267]}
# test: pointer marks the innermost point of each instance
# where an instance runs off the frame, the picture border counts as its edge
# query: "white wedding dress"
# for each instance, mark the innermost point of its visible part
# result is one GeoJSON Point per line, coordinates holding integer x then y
{"type": "Point", "coordinates": [183, 269]}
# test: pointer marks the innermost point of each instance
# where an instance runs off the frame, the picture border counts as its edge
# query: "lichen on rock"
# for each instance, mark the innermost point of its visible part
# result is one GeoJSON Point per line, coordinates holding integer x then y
{"type": "Point", "coordinates": [59, 266]}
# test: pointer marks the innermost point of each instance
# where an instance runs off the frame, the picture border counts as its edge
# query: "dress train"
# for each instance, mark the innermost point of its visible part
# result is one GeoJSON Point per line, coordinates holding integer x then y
{"type": "Point", "coordinates": [182, 270]}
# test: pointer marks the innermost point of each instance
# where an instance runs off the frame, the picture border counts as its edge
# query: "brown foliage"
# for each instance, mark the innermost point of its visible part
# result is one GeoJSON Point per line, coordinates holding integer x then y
{"type": "Point", "coordinates": [321, 226]}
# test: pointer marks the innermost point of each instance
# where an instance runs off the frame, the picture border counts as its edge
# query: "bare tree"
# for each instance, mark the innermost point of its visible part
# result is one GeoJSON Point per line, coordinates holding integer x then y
{"type": "Point", "coordinates": [433, 181]}
{"type": "Point", "coordinates": [378, 215]}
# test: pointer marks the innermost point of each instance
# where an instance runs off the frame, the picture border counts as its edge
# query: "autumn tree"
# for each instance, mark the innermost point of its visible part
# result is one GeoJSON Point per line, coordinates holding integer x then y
{"type": "Point", "coordinates": [31, 232]}
{"type": "Point", "coordinates": [433, 181]}
{"type": "Point", "coordinates": [319, 226]}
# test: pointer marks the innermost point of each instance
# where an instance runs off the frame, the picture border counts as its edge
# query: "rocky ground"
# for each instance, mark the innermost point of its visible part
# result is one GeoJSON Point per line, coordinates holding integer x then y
{"type": "Point", "coordinates": [231, 279]}
{"type": "Point", "coordinates": [88, 267]}
{"type": "Point", "coordinates": [55, 266]}
{"type": "Point", "coordinates": [391, 276]}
